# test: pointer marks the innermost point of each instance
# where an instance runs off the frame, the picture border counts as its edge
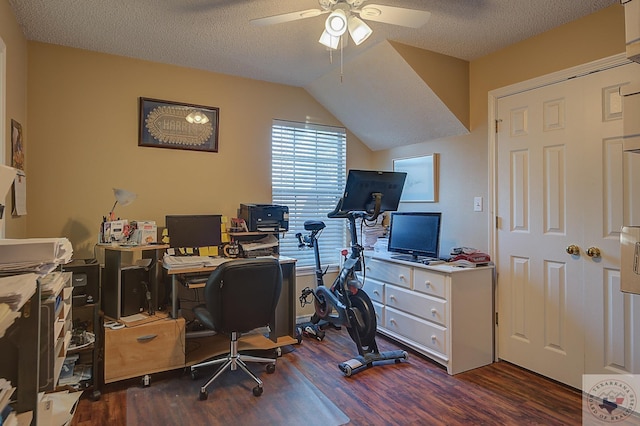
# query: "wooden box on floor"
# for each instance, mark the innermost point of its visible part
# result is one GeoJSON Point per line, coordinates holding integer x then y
{"type": "Point", "coordinates": [144, 349]}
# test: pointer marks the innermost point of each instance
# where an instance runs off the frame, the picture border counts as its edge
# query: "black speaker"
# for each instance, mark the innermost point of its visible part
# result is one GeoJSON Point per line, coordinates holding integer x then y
{"type": "Point", "coordinates": [133, 292]}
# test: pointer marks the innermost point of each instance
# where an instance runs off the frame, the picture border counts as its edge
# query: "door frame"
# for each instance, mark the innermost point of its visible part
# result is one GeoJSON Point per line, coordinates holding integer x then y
{"type": "Point", "coordinates": [493, 97]}
{"type": "Point", "coordinates": [3, 115]}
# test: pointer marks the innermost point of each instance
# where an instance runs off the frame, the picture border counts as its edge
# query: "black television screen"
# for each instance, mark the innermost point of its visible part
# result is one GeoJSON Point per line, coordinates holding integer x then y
{"type": "Point", "coordinates": [362, 184]}
{"type": "Point", "coordinates": [415, 235]}
{"type": "Point", "coordinates": [192, 231]}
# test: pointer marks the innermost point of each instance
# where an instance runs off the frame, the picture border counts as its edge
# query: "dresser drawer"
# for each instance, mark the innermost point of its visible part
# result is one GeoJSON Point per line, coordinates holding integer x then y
{"type": "Point", "coordinates": [429, 282]}
{"type": "Point", "coordinates": [379, 310]}
{"type": "Point", "coordinates": [387, 272]}
{"type": "Point", "coordinates": [414, 303]}
{"type": "Point", "coordinates": [144, 349]}
{"type": "Point", "coordinates": [428, 334]}
{"type": "Point", "coordinates": [375, 290]}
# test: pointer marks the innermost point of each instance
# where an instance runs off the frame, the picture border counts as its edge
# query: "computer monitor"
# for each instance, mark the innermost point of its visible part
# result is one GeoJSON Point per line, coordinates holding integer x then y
{"type": "Point", "coordinates": [363, 184]}
{"type": "Point", "coordinates": [414, 235]}
{"type": "Point", "coordinates": [192, 231]}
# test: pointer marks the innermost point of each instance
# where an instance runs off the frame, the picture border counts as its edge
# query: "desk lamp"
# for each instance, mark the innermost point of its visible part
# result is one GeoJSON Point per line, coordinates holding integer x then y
{"type": "Point", "coordinates": [123, 197]}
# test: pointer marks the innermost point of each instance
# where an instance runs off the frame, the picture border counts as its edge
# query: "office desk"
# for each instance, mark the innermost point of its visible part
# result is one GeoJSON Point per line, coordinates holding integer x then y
{"type": "Point", "coordinates": [283, 331]}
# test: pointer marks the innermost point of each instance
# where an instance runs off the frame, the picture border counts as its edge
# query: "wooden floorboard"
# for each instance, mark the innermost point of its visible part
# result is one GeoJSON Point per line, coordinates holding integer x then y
{"type": "Point", "coordinates": [418, 391]}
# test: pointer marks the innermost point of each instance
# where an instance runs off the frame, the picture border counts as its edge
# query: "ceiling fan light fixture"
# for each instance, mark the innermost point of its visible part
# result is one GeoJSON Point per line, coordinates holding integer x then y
{"type": "Point", "coordinates": [358, 30]}
{"type": "Point", "coordinates": [328, 40]}
{"type": "Point", "coordinates": [336, 23]}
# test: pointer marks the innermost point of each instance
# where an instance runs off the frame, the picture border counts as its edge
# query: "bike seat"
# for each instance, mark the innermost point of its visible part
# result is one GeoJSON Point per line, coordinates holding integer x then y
{"type": "Point", "coordinates": [313, 225]}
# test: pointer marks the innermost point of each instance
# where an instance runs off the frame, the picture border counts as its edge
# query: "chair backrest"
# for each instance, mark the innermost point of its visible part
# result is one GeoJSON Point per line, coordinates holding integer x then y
{"type": "Point", "coordinates": [242, 295]}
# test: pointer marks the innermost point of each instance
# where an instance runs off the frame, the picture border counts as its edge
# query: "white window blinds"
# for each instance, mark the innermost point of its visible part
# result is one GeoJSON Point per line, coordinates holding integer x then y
{"type": "Point", "coordinates": [308, 175]}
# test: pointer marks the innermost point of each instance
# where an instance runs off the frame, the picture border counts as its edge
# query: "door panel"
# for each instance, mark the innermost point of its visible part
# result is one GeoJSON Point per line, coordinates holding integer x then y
{"type": "Point", "coordinates": [560, 182]}
{"type": "Point", "coordinates": [542, 296]}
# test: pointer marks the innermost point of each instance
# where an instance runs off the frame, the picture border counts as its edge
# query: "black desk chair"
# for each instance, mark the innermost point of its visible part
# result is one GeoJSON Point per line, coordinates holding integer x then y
{"type": "Point", "coordinates": [240, 296]}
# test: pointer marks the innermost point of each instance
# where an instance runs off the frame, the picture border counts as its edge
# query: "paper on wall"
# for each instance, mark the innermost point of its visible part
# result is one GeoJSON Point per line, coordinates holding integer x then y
{"type": "Point", "coordinates": [7, 174]}
{"type": "Point", "coordinates": [20, 194]}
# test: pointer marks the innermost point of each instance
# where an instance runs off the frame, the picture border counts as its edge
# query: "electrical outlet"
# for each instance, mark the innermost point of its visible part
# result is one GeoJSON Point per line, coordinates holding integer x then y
{"type": "Point", "coordinates": [477, 204]}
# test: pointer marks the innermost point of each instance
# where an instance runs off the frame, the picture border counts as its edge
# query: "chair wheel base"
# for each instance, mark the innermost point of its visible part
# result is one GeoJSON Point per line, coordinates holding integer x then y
{"type": "Point", "coordinates": [271, 368]}
{"type": "Point", "coordinates": [257, 391]}
{"type": "Point", "coordinates": [204, 395]}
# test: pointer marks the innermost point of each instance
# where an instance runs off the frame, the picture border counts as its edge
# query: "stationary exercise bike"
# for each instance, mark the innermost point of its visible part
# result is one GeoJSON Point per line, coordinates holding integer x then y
{"type": "Point", "coordinates": [345, 303]}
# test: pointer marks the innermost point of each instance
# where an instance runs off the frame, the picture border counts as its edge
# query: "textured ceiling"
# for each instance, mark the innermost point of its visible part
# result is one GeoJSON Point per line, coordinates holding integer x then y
{"type": "Point", "coordinates": [216, 35]}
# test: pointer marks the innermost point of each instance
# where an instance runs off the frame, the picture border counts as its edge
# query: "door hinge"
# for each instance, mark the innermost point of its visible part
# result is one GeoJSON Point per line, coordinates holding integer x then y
{"type": "Point", "coordinates": [496, 318]}
{"type": "Point", "coordinates": [497, 124]}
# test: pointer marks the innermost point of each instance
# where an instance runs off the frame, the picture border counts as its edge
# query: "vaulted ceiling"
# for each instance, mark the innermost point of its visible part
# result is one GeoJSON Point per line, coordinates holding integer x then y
{"type": "Point", "coordinates": [373, 84]}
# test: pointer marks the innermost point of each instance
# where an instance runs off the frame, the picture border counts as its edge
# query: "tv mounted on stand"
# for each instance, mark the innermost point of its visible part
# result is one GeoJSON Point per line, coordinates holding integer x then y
{"type": "Point", "coordinates": [370, 191]}
{"type": "Point", "coordinates": [415, 235]}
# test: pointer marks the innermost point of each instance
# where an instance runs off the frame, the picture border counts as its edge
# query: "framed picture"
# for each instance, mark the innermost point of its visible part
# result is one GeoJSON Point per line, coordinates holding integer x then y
{"type": "Point", "coordinates": [167, 124]}
{"type": "Point", "coordinates": [421, 185]}
{"type": "Point", "coordinates": [17, 145]}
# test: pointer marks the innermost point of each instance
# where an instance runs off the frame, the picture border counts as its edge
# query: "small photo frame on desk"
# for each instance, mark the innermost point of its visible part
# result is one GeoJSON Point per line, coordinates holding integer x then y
{"type": "Point", "coordinates": [175, 125]}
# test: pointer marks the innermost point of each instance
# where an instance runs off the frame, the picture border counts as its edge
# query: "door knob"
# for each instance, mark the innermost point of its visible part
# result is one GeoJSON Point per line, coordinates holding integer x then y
{"type": "Point", "coordinates": [593, 252]}
{"type": "Point", "coordinates": [573, 249]}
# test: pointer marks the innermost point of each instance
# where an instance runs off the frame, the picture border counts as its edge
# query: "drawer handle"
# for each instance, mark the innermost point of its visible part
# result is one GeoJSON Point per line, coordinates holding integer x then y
{"type": "Point", "coordinates": [392, 297]}
{"type": "Point", "coordinates": [427, 283]}
{"type": "Point", "coordinates": [434, 311]}
{"type": "Point", "coordinates": [376, 292]}
{"type": "Point", "coordinates": [146, 338]}
{"type": "Point", "coordinates": [402, 278]}
{"type": "Point", "coordinates": [392, 321]}
{"type": "Point", "coordinates": [433, 338]}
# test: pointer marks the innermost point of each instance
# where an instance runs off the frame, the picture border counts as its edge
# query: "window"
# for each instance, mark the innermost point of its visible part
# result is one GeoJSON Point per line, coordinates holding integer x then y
{"type": "Point", "coordinates": [308, 168]}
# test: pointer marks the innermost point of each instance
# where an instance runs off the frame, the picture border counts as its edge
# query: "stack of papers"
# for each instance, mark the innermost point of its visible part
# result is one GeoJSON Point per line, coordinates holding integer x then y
{"type": "Point", "coordinates": [15, 290]}
{"type": "Point", "coordinates": [7, 317]}
{"type": "Point", "coordinates": [188, 262]}
{"type": "Point", "coordinates": [40, 255]}
{"type": "Point", "coordinates": [6, 390]}
{"type": "Point", "coordinates": [267, 242]}
{"type": "Point", "coordinates": [51, 284]}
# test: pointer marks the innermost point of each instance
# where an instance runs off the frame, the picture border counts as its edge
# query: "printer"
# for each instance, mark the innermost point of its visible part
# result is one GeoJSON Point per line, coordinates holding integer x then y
{"type": "Point", "coordinates": [265, 217]}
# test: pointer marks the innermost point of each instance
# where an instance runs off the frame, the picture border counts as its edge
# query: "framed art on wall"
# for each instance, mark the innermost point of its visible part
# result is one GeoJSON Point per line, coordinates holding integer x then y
{"type": "Point", "coordinates": [17, 145]}
{"type": "Point", "coordinates": [421, 185]}
{"type": "Point", "coordinates": [167, 124]}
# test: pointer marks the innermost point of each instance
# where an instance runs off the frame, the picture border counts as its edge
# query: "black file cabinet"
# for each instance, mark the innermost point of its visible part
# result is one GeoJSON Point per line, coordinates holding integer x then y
{"type": "Point", "coordinates": [88, 317]}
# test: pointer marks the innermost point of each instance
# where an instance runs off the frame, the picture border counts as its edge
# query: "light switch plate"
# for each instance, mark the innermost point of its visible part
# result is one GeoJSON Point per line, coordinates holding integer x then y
{"type": "Point", "coordinates": [477, 204]}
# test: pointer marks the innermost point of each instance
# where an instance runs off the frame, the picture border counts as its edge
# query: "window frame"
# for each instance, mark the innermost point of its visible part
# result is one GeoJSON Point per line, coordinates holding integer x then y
{"type": "Point", "coordinates": [308, 165]}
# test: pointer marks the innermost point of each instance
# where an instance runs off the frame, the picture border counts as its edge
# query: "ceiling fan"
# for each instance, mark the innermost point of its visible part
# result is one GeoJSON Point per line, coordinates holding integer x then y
{"type": "Point", "coordinates": [343, 16]}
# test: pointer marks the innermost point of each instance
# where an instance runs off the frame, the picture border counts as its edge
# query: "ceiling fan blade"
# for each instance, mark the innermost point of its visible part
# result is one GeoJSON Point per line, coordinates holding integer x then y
{"type": "Point", "coordinates": [287, 17]}
{"type": "Point", "coordinates": [395, 15]}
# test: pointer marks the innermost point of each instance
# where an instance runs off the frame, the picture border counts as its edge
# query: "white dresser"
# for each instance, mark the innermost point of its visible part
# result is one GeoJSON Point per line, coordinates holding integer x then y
{"type": "Point", "coordinates": [444, 312]}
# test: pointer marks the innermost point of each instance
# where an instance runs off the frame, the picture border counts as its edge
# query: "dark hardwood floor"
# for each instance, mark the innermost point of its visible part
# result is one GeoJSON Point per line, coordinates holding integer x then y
{"type": "Point", "coordinates": [414, 392]}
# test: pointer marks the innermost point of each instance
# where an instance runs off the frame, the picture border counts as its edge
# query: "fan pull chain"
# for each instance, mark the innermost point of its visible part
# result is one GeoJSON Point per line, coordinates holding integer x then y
{"type": "Point", "coordinates": [341, 55]}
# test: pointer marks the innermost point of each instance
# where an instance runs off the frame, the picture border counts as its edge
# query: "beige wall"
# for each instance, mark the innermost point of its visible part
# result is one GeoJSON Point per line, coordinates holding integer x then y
{"type": "Point", "coordinates": [83, 135]}
{"type": "Point", "coordinates": [464, 161]}
{"type": "Point", "coordinates": [82, 124]}
{"type": "Point", "coordinates": [16, 101]}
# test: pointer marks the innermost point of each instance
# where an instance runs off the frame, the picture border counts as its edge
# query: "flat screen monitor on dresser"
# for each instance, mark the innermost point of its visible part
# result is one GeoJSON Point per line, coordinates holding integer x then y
{"type": "Point", "coordinates": [192, 231]}
{"type": "Point", "coordinates": [415, 235]}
